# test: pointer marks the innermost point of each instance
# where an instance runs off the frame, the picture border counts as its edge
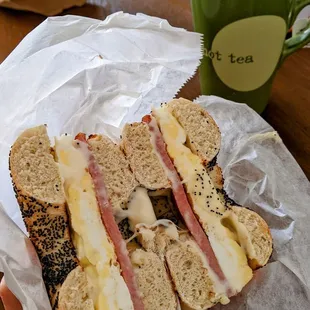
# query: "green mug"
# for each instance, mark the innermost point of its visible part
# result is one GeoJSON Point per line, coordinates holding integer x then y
{"type": "Point", "coordinates": [244, 45]}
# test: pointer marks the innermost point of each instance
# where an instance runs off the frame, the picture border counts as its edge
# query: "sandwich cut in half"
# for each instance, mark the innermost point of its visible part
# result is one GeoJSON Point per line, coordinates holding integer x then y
{"type": "Point", "coordinates": [175, 147]}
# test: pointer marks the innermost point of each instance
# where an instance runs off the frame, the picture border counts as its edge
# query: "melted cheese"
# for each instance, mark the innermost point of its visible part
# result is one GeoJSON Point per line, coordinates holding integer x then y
{"type": "Point", "coordinates": [139, 209]}
{"type": "Point", "coordinates": [205, 201]}
{"type": "Point", "coordinates": [94, 249]}
{"type": "Point", "coordinates": [240, 233]}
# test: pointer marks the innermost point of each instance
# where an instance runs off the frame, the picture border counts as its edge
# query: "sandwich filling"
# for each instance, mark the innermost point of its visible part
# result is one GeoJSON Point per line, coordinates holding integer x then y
{"type": "Point", "coordinates": [206, 203]}
{"type": "Point", "coordinates": [188, 267]}
{"type": "Point", "coordinates": [107, 217]}
{"type": "Point", "coordinates": [139, 209]}
{"type": "Point", "coordinates": [216, 273]}
{"type": "Point", "coordinates": [94, 248]}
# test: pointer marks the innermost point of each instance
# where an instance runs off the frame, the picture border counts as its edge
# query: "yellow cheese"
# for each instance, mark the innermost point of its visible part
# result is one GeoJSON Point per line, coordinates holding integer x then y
{"type": "Point", "coordinates": [205, 201]}
{"type": "Point", "coordinates": [94, 249]}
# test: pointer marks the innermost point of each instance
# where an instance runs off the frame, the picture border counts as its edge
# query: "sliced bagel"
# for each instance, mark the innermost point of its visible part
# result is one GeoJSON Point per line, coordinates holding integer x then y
{"type": "Point", "coordinates": [73, 294]}
{"type": "Point", "coordinates": [39, 192]}
{"type": "Point", "coordinates": [142, 158]}
{"type": "Point", "coordinates": [153, 281]}
{"type": "Point", "coordinates": [185, 262]}
{"type": "Point", "coordinates": [255, 225]}
{"type": "Point", "coordinates": [119, 179]}
{"type": "Point", "coordinates": [259, 233]}
{"type": "Point", "coordinates": [191, 278]}
{"type": "Point", "coordinates": [204, 136]}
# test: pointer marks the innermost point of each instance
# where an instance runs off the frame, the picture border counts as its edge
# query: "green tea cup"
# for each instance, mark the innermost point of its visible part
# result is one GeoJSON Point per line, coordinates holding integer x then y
{"type": "Point", "coordinates": [244, 45]}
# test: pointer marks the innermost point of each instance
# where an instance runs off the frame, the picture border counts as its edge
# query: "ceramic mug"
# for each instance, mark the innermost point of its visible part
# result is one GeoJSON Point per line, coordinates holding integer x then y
{"type": "Point", "coordinates": [244, 45]}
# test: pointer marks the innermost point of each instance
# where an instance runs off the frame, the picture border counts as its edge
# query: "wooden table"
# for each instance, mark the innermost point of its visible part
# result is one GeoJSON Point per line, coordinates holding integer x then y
{"type": "Point", "coordinates": [289, 107]}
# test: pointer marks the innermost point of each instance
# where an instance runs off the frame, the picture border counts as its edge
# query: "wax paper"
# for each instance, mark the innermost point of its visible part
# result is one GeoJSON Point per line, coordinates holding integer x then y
{"type": "Point", "coordinates": [80, 74]}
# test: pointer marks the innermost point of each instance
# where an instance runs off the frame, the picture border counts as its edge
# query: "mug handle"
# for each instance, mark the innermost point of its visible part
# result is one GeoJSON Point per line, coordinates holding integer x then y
{"type": "Point", "coordinates": [296, 42]}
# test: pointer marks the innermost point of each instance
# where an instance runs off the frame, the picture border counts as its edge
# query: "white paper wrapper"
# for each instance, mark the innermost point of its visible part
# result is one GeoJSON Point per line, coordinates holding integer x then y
{"type": "Point", "coordinates": [260, 173]}
{"type": "Point", "coordinates": [79, 74]}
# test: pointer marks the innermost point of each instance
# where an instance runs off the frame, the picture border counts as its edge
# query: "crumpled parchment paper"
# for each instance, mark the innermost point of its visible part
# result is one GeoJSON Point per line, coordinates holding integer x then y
{"type": "Point", "coordinates": [79, 74]}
